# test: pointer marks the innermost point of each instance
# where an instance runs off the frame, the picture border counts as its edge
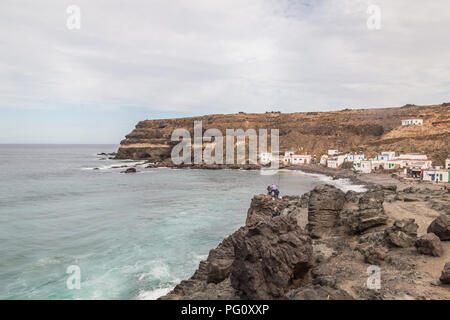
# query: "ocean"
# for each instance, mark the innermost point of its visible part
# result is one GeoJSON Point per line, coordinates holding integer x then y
{"type": "Point", "coordinates": [131, 236]}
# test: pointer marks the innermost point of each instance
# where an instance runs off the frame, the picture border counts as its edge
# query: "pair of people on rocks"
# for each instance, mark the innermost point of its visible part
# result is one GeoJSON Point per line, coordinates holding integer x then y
{"type": "Point", "coordinates": [273, 190]}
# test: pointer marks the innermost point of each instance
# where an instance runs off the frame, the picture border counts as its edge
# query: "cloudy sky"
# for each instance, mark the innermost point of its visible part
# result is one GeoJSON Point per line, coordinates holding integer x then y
{"type": "Point", "coordinates": [133, 60]}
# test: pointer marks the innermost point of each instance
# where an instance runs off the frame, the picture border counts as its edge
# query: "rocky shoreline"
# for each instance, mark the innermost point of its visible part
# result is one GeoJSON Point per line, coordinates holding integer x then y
{"type": "Point", "coordinates": [323, 243]}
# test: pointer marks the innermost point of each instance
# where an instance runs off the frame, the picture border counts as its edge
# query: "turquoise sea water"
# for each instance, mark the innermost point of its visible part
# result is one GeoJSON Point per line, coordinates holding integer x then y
{"type": "Point", "coordinates": [133, 236]}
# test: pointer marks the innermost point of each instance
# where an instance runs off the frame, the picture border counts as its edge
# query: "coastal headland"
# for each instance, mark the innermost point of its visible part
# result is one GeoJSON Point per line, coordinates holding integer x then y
{"type": "Point", "coordinates": [390, 242]}
{"type": "Point", "coordinates": [350, 130]}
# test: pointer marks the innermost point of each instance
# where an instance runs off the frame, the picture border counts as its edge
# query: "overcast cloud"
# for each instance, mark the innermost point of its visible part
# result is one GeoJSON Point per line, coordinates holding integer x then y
{"type": "Point", "coordinates": [176, 58]}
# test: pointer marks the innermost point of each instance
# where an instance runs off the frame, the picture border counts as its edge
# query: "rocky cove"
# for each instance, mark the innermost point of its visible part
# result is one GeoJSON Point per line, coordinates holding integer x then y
{"type": "Point", "coordinates": [324, 241]}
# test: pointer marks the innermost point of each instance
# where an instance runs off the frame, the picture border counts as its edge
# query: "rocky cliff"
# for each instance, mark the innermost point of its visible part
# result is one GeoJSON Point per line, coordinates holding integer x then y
{"type": "Point", "coordinates": [329, 254]}
{"type": "Point", "coordinates": [368, 130]}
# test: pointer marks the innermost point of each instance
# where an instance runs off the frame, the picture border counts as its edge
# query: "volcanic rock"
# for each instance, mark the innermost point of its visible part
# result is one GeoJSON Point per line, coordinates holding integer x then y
{"type": "Point", "coordinates": [441, 227]}
{"type": "Point", "coordinates": [445, 277]}
{"type": "Point", "coordinates": [429, 244]}
{"type": "Point", "coordinates": [402, 234]}
{"type": "Point", "coordinates": [364, 211]}
{"type": "Point", "coordinates": [325, 203]}
{"type": "Point", "coordinates": [269, 257]}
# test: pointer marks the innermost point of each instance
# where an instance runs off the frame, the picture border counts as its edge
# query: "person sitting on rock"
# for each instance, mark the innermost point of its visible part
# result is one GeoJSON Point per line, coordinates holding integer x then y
{"type": "Point", "coordinates": [273, 187]}
{"type": "Point", "coordinates": [276, 212]}
{"type": "Point", "coordinates": [269, 190]}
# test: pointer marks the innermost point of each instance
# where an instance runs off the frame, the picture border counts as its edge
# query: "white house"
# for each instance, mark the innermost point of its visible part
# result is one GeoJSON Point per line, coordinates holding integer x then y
{"type": "Point", "coordinates": [391, 164]}
{"type": "Point", "coordinates": [333, 152]}
{"type": "Point", "coordinates": [323, 160]}
{"type": "Point", "coordinates": [447, 164]}
{"type": "Point", "coordinates": [433, 175]}
{"type": "Point", "coordinates": [412, 122]}
{"type": "Point", "coordinates": [355, 158]}
{"type": "Point", "coordinates": [300, 159]}
{"type": "Point", "coordinates": [377, 164]}
{"type": "Point", "coordinates": [443, 175]}
{"type": "Point", "coordinates": [413, 160]}
{"type": "Point", "coordinates": [332, 163]}
{"type": "Point", "coordinates": [385, 156]}
{"type": "Point", "coordinates": [267, 157]}
{"type": "Point", "coordinates": [366, 166]}
{"type": "Point", "coordinates": [287, 156]}
{"type": "Point", "coordinates": [340, 160]}
{"type": "Point", "coordinates": [335, 162]}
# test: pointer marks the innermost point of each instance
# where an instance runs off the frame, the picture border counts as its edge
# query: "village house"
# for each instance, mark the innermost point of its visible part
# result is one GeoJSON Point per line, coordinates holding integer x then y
{"type": "Point", "coordinates": [287, 156]}
{"type": "Point", "coordinates": [385, 156]}
{"type": "Point", "coordinates": [366, 166]}
{"type": "Point", "coordinates": [412, 122]}
{"type": "Point", "coordinates": [332, 163]}
{"type": "Point", "coordinates": [266, 158]}
{"type": "Point", "coordinates": [333, 152]}
{"type": "Point", "coordinates": [391, 164]}
{"type": "Point", "coordinates": [355, 158]}
{"type": "Point", "coordinates": [299, 159]}
{"type": "Point", "coordinates": [323, 160]}
{"type": "Point", "coordinates": [335, 162]}
{"type": "Point", "coordinates": [436, 174]}
{"type": "Point", "coordinates": [447, 164]}
{"type": "Point", "coordinates": [414, 160]}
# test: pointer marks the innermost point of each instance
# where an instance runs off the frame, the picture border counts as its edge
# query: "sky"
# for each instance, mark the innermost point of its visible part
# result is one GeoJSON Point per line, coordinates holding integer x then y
{"type": "Point", "coordinates": [134, 60]}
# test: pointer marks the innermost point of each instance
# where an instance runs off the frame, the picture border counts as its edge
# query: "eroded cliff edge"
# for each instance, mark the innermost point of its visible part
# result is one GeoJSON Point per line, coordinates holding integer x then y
{"type": "Point", "coordinates": [322, 244]}
{"type": "Point", "coordinates": [367, 130]}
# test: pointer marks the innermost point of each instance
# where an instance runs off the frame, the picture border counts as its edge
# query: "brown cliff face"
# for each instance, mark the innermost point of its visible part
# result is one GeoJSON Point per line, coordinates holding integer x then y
{"type": "Point", "coordinates": [367, 130]}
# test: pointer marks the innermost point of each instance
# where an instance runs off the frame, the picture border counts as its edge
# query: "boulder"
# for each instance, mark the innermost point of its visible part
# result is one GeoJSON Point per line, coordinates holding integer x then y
{"type": "Point", "coordinates": [400, 239]}
{"type": "Point", "coordinates": [269, 257]}
{"type": "Point", "coordinates": [373, 254]}
{"type": "Point", "coordinates": [325, 203]}
{"type": "Point", "coordinates": [429, 244]}
{"type": "Point", "coordinates": [441, 227]}
{"type": "Point", "coordinates": [445, 277]}
{"type": "Point", "coordinates": [368, 213]}
{"type": "Point", "coordinates": [130, 170]}
{"type": "Point", "coordinates": [402, 234]}
{"type": "Point", "coordinates": [408, 226]}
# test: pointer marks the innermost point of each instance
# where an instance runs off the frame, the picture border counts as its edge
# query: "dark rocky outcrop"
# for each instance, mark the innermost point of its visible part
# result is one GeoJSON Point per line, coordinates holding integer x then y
{"type": "Point", "coordinates": [445, 276]}
{"type": "Point", "coordinates": [270, 257]}
{"type": "Point", "coordinates": [130, 170]}
{"type": "Point", "coordinates": [441, 227]}
{"type": "Point", "coordinates": [275, 258]}
{"type": "Point", "coordinates": [429, 244]}
{"type": "Point", "coordinates": [262, 208]}
{"type": "Point", "coordinates": [325, 204]}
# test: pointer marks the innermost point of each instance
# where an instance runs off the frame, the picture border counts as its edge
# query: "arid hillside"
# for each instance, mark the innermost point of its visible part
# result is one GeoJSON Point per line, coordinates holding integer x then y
{"type": "Point", "coordinates": [367, 130]}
